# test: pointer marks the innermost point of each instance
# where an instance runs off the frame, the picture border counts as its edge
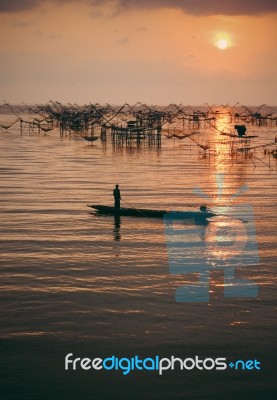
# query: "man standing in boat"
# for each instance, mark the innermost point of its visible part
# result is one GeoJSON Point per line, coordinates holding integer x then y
{"type": "Point", "coordinates": [117, 197]}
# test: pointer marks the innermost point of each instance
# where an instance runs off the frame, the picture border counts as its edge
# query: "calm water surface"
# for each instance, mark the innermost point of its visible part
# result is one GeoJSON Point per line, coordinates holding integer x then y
{"type": "Point", "coordinates": [73, 281]}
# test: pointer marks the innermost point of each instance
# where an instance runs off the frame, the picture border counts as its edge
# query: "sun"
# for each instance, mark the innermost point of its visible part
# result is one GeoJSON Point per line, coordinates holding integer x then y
{"type": "Point", "coordinates": [222, 44]}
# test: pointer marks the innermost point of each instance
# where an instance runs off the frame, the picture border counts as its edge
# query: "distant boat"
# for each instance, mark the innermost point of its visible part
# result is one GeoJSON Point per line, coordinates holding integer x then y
{"type": "Point", "coordinates": [145, 212]}
{"type": "Point", "coordinates": [90, 138]}
{"type": "Point", "coordinates": [45, 128]}
{"type": "Point", "coordinates": [232, 135]}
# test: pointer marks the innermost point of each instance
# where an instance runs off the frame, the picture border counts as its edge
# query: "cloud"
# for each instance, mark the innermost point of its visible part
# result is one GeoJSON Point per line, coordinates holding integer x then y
{"type": "Point", "coordinates": [54, 36]}
{"type": "Point", "coordinates": [19, 5]}
{"type": "Point", "coordinates": [22, 24]}
{"type": "Point", "coordinates": [204, 7]}
{"type": "Point", "coordinates": [123, 40]}
{"type": "Point", "coordinates": [96, 14]}
{"type": "Point", "coordinates": [189, 57]}
{"type": "Point", "coordinates": [195, 7]}
{"type": "Point", "coordinates": [25, 5]}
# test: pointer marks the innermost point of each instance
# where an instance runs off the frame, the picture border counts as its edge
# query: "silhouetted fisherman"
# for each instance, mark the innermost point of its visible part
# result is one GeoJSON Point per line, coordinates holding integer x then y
{"type": "Point", "coordinates": [241, 129]}
{"type": "Point", "coordinates": [117, 197]}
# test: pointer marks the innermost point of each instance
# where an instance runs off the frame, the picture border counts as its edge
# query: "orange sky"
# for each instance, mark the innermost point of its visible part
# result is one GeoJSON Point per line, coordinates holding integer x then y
{"type": "Point", "coordinates": [80, 51]}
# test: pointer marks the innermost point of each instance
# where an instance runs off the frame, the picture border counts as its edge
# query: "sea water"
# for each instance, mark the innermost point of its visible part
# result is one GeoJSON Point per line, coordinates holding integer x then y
{"type": "Point", "coordinates": [95, 285]}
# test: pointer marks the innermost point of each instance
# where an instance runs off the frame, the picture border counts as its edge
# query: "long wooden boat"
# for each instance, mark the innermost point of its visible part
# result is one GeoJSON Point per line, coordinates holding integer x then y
{"type": "Point", "coordinates": [232, 135]}
{"type": "Point", "coordinates": [144, 212]}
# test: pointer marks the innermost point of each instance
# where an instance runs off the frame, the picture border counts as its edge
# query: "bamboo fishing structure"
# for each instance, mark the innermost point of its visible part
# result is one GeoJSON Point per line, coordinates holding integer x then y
{"type": "Point", "coordinates": [226, 131]}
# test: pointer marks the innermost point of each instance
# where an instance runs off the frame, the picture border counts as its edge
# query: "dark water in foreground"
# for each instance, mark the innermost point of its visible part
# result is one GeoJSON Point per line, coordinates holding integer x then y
{"type": "Point", "coordinates": [72, 282]}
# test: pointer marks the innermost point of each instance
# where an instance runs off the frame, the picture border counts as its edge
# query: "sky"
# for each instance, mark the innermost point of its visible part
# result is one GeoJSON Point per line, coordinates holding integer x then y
{"type": "Point", "coordinates": [153, 51]}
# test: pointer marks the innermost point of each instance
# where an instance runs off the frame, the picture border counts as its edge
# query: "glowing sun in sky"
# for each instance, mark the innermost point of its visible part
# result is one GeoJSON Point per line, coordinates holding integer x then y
{"type": "Point", "coordinates": [222, 44]}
